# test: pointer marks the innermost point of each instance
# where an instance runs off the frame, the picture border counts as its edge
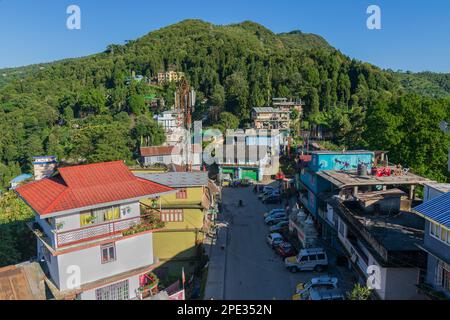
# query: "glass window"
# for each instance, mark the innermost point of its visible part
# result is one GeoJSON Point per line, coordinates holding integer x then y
{"type": "Point", "coordinates": [321, 256]}
{"type": "Point", "coordinates": [99, 215]}
{"type": "Point", "coordinates": [313, 257]}
{"type": "Point", "coordinates": [181, 193]}
{"type": "Point", "coordinates": [108, 252]}
{"type": "Point", "coordinates": [116, 291]}
{"type": "Point", "coordinates": [304, 259]}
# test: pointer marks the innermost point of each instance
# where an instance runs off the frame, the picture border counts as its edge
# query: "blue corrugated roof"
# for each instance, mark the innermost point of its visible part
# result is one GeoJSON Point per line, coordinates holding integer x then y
{"type": "Point", "coordinates": [437, 209]}
{"type": "Point", "coordinates": [21, 178]}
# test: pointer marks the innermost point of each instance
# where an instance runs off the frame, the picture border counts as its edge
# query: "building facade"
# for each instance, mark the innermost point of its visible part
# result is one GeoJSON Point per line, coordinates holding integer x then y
{"type": "Point", "coordinates": [436, 244]}
{"type": "Point", "coordinates": [187, 218]}
{"type": "Point", "coordinates": [93, 236]}
{"type": "Point", "coordinates": [271, 118]}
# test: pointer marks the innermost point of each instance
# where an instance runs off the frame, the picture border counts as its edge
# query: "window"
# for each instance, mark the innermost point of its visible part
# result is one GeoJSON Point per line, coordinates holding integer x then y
{"type": "Point", "coordinates": [172, 215]}
{"type": "Point", "coordinates": [443, 276]}
{"type": "Point", "coordinates": [181, 193]}
{"type": "Point", "coordinates": [304, 259]}
{"type": "Point", "coordinates": [321, 256]}
{"type": "Point", "coordinates": [108, 252]}
{"type": "Point", "coordinates": [116, 291]}
{"type": "Point", "coordinates": [99, 215]}
{"type": "Point", "coordinates": [160, 159]}
{"type": "Point", "coordinates": [439, 233]}
{"type": "Point", "coordinates": [312, 257]}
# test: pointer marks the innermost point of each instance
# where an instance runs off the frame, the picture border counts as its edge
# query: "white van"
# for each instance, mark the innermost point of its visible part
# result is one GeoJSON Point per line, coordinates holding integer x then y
{"type": "Point", "coordinates": [308, 259]}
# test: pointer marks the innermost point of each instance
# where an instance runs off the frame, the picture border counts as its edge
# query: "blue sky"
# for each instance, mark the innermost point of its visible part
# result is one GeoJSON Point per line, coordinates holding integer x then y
{"type": "Point", "coordinates": [415, 35]}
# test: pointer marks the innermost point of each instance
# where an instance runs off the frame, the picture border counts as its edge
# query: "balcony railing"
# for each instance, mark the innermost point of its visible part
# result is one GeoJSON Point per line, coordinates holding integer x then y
{"type": "Point", "coordinates": [127, 226]}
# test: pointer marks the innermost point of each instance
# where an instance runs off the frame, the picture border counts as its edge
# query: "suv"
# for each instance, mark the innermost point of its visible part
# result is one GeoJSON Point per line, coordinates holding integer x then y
{"type": "Point", "coordinates": [308, 259]}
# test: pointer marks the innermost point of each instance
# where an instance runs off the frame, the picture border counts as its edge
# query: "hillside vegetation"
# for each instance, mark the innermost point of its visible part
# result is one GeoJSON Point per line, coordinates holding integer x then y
{"type": "Point", "coordinates": [84, 110]}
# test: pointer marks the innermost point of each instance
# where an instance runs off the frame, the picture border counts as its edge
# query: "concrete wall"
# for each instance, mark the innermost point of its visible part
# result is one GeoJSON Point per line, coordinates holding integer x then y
{"type": "Point", "coordinates": [340, 161]}
{"type": "Point", "coordinates": [194, 196]}
{"type": "Point", "coordinates": [167, 159]}
{"type": "Point", "coordinates": [131, 253]}
{"type": "Point", "coordinates": [430, 193]}
{"type": "Point", "coordinates": [175, 244]}
{"type": "Point", "coordinates": [400, 284]}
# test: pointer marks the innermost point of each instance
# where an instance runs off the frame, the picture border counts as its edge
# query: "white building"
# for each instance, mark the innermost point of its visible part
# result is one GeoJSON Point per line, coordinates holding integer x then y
{"type": "Point", "coordinates": [170, 120]}
{"type": "Point", "coordinates": [93, 235]}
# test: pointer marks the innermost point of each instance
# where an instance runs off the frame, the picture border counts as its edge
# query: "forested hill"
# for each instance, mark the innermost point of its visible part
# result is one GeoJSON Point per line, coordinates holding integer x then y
{"type": "Point", "coordinates": [431, 84]}
{"type": "Point", "coordinates": [84, 109]}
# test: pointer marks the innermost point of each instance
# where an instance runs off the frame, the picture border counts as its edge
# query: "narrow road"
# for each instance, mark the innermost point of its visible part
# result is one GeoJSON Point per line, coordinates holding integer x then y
{"type": "Point", "coordinates": [253, 270]}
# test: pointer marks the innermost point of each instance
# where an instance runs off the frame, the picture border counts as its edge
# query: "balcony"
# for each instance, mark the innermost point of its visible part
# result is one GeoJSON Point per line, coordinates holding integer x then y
{"type": "Point", "coordinates": [148, 220]}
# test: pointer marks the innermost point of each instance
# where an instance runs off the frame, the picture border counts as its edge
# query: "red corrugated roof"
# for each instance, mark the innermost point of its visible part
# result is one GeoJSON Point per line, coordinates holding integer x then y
{"type": "Point", "coordinates": [87, 185]}
{"type": "Point", "coordinates": [305, 157]}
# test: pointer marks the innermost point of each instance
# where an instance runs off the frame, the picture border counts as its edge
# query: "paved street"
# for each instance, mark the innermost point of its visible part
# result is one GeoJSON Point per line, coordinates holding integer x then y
{"type": "Point", "coordinates": [247, 268]}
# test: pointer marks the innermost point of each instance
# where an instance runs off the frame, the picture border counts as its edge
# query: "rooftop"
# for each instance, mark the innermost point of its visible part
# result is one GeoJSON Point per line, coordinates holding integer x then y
{"type": "Point", "coordinates": [369, 197]}
{"type": "Point", "coordinates": [268, 110]}
{"type": "Point", "coordinates": [437, 210]}
{"type": "Point", "coordinates": [398, 232]}
{"type": "Point", "coordinates": [22, 282]}
{"type": "Point", "coordinates": [442, 187]}
{"type": "Point", "coordinates": [21, 178]}
{"type": "Point", "coordinates": [342, 179]}
{"type": "Point", "coordinates": [87, 186]}
{"type": "Point", "coordinates": [341, 152]}
{"type": "Point", "coordinates": [158, 151]}
{"type": "Point", "coordinates": [177, 179]}
{"type": "Point", "coordinates": [392, 237]}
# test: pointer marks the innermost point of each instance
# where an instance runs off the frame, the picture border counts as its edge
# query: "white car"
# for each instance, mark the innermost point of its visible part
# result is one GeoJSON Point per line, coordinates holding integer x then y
{"type": "Point", "coordinates": [323, 282]}
{"type": "Point", "coordinates": [274, 239]}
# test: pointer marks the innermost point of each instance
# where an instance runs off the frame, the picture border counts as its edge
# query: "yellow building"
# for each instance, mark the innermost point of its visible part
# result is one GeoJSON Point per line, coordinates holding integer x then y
{"type": "Point", "coordinates": [186, 217]}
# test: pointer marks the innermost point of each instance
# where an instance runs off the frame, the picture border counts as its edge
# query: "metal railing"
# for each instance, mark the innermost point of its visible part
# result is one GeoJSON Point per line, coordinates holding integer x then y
{"type": "Point", "coordinates": [97, 231]}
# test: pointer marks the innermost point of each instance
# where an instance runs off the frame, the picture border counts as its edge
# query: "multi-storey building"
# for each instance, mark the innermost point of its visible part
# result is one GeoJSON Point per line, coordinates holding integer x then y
{"type": "Point", "coordinates": [271, 118]}
{"type": "Point", "coordinates": [436, 211]}
{"type": "Point", "coordinates": [286, 104]}
{"type": "Point", "coordinates": [253, 154]}
{"type": "Point", "coordinates": [169, 76]}
{"type": "Point", "coordinates": [187, 218]}
{"type": "Point", "coordinates": [358, 209]}
{"type": "Point", "coordinates": [94, 238]}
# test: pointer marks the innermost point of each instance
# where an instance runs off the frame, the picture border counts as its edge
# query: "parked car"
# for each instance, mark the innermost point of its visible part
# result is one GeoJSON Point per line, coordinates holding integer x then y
{"type": "Point", "coordinates": [271, 212]}
{"type": "Point", "coordinates": [308, 259]}
{"type": "Point", "coordinates": [272, 199]}
{"type": "Point", "coordinates": [280, 226]}
{"type": "Point", "coordinates": [274, 239]}
{"type": "Point", "coordinates": [285, 249]}
{"type": "Point", "coordinates": [264, 194]}
{"type": "Point", "coordinates": [324, 294]}
{"type": "Point", "coordinates": [268, 189]}
{"type": "Point", "coordinates": [322, 282]}
{"type": "Point", "coordinates": [276, 218]}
